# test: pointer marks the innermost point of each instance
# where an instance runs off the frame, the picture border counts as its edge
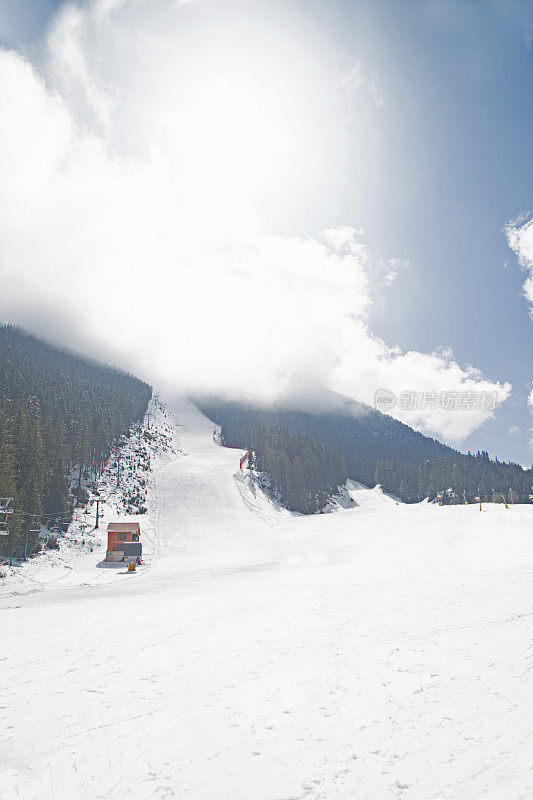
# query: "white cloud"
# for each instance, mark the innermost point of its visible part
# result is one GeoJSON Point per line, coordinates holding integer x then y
{"type": "Point", "coordinates": [530, 406]}
{"type": "Point", "coordinates": [514, 430]}
{"type": "Point", "coordinates": [520, 238]}
{"type": "Point", "coordinates": [128, 200]}
{"type": "Point", "coordinates": [421, 378]}
{"type": "Point", "coordinates": [355, 78]}
{"type": "Point", "coordinates": [391, 269]}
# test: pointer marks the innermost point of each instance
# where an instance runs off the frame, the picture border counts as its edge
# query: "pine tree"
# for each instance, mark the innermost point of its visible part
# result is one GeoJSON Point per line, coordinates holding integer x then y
{"type": "Point", "coordinates": [8, 544]}
{"type": "Point", "coordinates": [58, 411]}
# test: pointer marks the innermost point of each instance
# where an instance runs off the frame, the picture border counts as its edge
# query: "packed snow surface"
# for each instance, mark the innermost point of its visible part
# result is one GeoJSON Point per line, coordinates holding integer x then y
{"type": "Point", "coordinates": [380, 651]}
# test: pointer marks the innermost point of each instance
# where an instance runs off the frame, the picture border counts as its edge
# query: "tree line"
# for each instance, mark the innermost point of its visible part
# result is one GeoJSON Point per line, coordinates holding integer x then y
{"type": "Point", "coordinates": [60, 417]}
{"type": "Point", "coordinates": [379, 449]}
{"type": "Point", "coordinates": [457, 478]}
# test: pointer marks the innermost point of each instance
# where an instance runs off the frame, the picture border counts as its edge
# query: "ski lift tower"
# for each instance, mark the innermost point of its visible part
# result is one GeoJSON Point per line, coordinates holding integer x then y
{"type": "Point", "coordinates": [5, 511]}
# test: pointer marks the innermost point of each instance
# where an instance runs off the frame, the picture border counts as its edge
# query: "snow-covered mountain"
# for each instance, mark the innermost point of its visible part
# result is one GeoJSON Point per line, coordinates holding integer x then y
{"type": "Point", "coordinates": [375, 448]}
{"type": "Point", "coordinates": [380, 651]}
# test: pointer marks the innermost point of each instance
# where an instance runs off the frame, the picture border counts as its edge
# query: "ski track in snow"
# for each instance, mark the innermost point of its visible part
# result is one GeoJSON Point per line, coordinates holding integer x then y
{"type": "Point", "coordinates": [380, 651]}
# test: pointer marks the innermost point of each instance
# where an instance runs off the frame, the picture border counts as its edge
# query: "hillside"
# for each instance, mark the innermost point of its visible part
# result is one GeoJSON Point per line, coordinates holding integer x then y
{"type": "Point", "coordinates": [60, 417]}
{"type": "Point", "coordinates": [378, 449]}
{"type": "Point", "coordinates": [298, 470]}
{"type": "Point", "coordinates": [378, 651]}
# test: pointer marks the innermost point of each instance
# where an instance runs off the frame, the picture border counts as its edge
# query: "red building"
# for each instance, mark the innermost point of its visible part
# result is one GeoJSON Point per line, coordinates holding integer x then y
{"type": "Point", "coordinates": [123, 541]}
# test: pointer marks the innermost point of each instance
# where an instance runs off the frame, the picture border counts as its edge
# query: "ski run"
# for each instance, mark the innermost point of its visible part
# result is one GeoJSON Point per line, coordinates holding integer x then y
{"type": "Point", "coordinates": [378, 651]}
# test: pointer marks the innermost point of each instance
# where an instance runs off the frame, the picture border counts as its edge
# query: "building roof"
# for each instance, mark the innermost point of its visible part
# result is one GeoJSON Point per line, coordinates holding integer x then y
{"type": "Point", "coordinates": [123, 527]}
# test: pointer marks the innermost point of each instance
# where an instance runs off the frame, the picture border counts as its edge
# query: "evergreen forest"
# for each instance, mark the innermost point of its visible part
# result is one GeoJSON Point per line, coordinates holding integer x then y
{"type": "Point", "coordinates": [60, 416]}
{"type": "Point", "coordinates": [377, 449]}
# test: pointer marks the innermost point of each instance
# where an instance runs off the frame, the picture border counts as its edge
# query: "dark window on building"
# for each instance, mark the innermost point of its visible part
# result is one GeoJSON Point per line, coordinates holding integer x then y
{"type": "Point", "coordinates": [121, 537]}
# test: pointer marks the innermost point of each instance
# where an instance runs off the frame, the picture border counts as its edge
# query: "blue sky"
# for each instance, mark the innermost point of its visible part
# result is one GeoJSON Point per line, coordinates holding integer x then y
{"type": "Point", "coordinates": [436, 161]}
{"type": "Point", "coordinates": [23, 21]}
{"type": "Point", "coordinates": [458, 100]}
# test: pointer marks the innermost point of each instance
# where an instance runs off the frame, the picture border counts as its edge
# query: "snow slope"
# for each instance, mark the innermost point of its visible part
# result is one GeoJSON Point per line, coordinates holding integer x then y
{"type": "Point", "coordinates": [381, 651]}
